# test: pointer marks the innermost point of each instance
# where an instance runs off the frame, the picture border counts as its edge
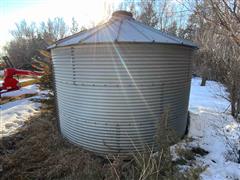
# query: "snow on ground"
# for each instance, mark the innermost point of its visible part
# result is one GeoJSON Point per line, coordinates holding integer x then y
{"type": "Point", "coordinates": [207, 97]}
{"type": "Point", "coordinates": [14, 114]}
{"type": "Point", "coordinates": [20, 80]}
{"type": "Point", "coordinates": [31, 89]}
{"type": "Point", "coordinates": [213, 129]}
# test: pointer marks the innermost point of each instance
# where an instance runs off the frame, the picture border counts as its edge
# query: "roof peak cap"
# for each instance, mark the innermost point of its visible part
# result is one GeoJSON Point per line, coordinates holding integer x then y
{"type": "Point", "coordinates": [122, 14]}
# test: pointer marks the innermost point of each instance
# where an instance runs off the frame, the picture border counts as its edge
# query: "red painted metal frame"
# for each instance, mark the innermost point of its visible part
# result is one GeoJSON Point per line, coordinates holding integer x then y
{"type": "Point", "coordinates": [10, 83]}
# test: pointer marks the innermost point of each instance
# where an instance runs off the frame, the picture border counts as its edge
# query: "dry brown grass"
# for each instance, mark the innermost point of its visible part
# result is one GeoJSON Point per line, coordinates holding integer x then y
{"type": "Point", "coordinates": [7, 99]}
{"type": "Point", "coordinates": [38, 151]}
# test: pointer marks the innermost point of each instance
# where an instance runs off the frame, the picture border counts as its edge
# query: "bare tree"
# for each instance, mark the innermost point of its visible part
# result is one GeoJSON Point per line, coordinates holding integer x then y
{"type": "Point", "coordinates": [23, 47]}
{"type": "Point", "coordinates": [158, 14]}
{"type": "Point", "coordinates": [148, 14]}
{"type": "Point", "coordinates": [75, 27]}
{"type": "Point", "coordinates": [202, 33]}
{"type": "Point", "coordinates": [228, 70]}
{"type": "Point", "coordinates": [217, 33]}
{"type": "Point", "coordinates": [29, 38]}
{"type": "Point", "coordinates": [173, 28]}
{"type": "Point", "coordinates": [225, 16]}
{"type": "Point", "coordinates": [129, 5]}
{"type": "Point", "coordinates": [225, 19]}
{"type": "Point", "coordinates": [56, 28]}
{"type": "Point", "coordinates": [165, 15]}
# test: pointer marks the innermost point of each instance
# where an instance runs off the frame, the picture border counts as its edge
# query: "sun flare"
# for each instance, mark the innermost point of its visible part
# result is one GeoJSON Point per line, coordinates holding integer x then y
{"type": "Point", "coordinates": [86, 12]}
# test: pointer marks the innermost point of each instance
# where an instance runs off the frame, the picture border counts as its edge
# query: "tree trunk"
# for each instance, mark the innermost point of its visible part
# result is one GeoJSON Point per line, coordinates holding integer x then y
{"type": "Point", "coordinates": [234, 100]}
{"type": "Point", "coordinates": [233, 109]}
{"type": "Point", "coordinates": [238, 108]}
{"type": "Point", "coordinates": [204, 80]}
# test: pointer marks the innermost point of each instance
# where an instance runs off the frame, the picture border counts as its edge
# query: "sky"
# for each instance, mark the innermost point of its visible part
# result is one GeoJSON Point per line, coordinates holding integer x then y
{"type": "Point", "coordinates": [84, 11]}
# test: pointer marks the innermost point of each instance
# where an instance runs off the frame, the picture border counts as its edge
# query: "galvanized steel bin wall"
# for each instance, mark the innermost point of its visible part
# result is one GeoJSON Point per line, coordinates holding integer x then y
{"type": "Point", "coordinates": [111, 96]}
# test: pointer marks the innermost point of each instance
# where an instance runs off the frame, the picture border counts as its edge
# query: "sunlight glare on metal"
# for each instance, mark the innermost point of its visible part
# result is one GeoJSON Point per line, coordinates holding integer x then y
{"type": "Point", "coordinates": [123, 90]}
{"type": "Point", "coordinates": [133, 81]}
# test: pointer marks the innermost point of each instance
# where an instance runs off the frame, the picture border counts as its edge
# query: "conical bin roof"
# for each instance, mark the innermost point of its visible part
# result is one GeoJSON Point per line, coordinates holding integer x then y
{"type": "Point", "coordinates": [122, 28]}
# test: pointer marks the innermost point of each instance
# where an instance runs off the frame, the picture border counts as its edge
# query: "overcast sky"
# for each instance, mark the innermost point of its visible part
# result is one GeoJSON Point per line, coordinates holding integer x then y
{"type": "Point", "coordinates": [84, 11]}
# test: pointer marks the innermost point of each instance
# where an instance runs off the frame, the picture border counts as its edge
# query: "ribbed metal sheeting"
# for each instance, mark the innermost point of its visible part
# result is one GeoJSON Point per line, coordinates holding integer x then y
{"type": "Point", "coordinates": [111, 96]}
{"type": "Point", "coordinates": [122, 28]}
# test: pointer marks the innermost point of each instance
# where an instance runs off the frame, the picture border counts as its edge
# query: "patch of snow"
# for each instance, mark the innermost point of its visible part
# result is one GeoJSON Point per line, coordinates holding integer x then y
{"type": "Point", "coordinates": [14, 114]}
{"type": "Point", "coordinates": [31, 89]}
{"type": "Point", "coordinates": [209, 97]}
{"type": "Point", "coordinates": [1, 73]}
{"type": "Point", "coordinates": [213, 129]}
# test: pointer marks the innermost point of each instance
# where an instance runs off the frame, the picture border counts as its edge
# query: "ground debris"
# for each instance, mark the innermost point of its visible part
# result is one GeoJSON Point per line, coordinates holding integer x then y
{"type": "Point", "coordinates": [8, 99]}
{"type": "Point", "coordinates": [200, 151]}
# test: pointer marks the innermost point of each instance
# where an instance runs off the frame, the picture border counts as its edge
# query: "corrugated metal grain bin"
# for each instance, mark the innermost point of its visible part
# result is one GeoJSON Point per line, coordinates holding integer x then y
{"type": "Point", "coordinates": [114, 82]}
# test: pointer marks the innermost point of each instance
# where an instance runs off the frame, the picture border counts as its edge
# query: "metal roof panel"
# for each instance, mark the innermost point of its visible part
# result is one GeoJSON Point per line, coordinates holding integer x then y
{"type": "Point", "coordinates": [122, 28]}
